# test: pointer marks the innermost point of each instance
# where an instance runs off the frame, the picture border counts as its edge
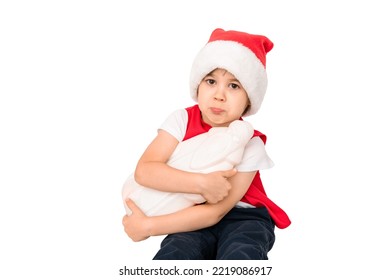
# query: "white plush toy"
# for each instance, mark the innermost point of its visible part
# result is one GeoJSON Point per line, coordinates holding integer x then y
{"type": "Point", "coordinates": [221, 148]}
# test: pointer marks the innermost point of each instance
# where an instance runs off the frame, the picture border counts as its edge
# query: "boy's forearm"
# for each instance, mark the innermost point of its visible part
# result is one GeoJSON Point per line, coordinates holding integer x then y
{"type": "Point", "coordinates": [189, 219]}
{"type": "Point", "coordinates": [162, 177]}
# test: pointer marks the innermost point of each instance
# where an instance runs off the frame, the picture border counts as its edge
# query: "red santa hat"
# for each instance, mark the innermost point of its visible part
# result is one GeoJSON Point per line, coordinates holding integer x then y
{"type": "Point", "coordinates": [240, 53]}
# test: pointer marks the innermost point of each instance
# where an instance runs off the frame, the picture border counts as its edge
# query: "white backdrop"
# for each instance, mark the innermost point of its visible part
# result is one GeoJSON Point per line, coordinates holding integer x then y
{"type": "Point", "coordinates": [85, 84]}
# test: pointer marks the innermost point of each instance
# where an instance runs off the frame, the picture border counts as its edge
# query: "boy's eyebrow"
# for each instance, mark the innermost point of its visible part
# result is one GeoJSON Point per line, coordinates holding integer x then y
{"type": "Point", "coordinates": [235, 80]}
{"type": "Point", "coordinates": [212, 75]}
{"type": "Point", "coordinates": [209, 75]}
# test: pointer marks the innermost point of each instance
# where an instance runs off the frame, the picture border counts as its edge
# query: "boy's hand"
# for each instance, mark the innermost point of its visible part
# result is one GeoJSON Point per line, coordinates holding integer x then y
{"type": "Point", "coordinates": [215, 185]}
{"type": "Point", "coordinates": [135, 224]}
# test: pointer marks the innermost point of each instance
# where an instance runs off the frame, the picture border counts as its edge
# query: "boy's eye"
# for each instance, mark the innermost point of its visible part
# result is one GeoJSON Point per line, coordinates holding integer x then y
{"type": "Point", "coordinates": [210, 81]}
{"type": "Point", "coordinates": [234, 86]}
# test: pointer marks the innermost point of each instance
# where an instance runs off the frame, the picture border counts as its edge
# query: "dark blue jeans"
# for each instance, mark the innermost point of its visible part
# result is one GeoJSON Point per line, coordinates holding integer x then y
{"type": "Point", "coordinates": [243, 234]}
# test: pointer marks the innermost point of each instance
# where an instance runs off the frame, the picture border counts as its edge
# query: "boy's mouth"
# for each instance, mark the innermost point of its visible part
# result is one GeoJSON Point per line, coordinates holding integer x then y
{"type": "Point", "coordinates": [216, 110]}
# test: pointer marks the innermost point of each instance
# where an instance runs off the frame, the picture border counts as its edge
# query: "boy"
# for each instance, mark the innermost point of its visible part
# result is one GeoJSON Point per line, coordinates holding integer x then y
{"type": "Point", "coordinates": [228, 80]}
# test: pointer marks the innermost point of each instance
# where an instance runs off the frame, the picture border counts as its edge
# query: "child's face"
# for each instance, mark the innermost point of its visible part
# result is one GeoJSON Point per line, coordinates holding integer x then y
{"type": "Point", "coordinates": [221, 98]}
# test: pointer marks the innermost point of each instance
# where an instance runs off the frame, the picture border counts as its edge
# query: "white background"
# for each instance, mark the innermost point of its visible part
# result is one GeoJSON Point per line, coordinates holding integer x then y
{"type": "Point", "coordinates": [85, 84]}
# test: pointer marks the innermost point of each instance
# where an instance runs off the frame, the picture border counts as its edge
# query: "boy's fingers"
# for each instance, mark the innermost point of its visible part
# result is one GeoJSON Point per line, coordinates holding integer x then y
{"type": "Point", "coordinates": [229, 173]}
{"type": "Point", "coordinates": [132, 206]}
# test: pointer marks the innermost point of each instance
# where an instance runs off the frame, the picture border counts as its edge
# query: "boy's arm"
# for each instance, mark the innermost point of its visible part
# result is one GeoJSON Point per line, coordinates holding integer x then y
{"type": "Point", "coordinates": [139, 227]}
{"type": "Point", "coordinates": [152, 171]}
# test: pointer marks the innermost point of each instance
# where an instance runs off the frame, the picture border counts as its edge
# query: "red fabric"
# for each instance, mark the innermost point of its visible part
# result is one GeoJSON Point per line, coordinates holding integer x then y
{"type": "Point", "coordinates": [258, 44]}
{"type": "Point", "coordinates": [255, 195]}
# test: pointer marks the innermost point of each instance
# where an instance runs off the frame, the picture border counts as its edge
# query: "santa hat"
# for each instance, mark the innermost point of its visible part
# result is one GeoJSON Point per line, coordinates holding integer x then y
{"type": "Point", "coordinates": [240, 53]}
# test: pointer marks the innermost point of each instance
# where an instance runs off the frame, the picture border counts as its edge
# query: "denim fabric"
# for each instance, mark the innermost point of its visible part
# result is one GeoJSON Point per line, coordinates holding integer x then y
{"type": "Point", "coordinates": [243, 234]}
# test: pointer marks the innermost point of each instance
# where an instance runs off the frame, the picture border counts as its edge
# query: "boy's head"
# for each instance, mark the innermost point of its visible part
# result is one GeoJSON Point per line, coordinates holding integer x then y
{"type": "Point", "coordinates": [240, 53]}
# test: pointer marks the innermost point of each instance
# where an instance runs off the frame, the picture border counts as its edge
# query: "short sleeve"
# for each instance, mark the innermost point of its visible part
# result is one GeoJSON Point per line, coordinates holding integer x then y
{"type": "Point", "coordinates": [176, 124]}
{"type": "Point", "coordinates": [255, 157]}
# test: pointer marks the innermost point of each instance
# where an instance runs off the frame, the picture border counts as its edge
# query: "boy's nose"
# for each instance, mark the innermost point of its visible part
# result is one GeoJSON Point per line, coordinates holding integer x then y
{"type": "Point", "coordinates": [219, 95]}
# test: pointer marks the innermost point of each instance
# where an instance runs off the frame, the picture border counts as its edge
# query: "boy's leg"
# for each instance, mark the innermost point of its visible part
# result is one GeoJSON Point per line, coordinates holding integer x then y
{"type": "Point", "coordinates": [245, 234]}
{"type": "Point", "coordinates": [195, 245]}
